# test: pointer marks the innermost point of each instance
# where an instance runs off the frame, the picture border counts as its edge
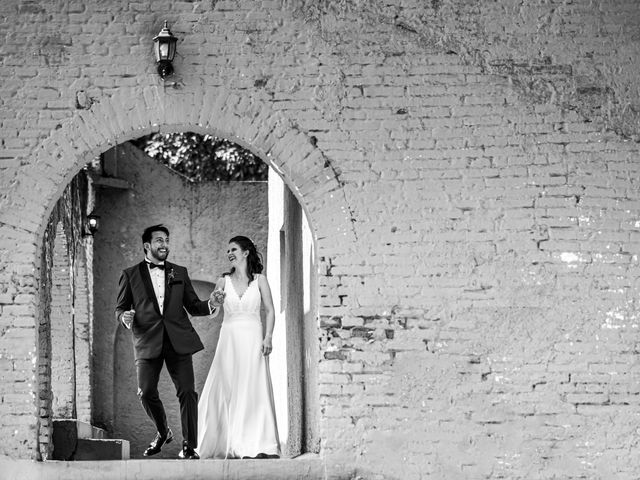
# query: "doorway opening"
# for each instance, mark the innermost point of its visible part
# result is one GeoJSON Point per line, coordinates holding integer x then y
{"type": "Point", "coordinates": [129, 190]}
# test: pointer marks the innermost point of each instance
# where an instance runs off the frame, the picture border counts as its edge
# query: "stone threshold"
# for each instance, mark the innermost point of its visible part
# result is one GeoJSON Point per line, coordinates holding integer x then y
{"type": "Point", "coordinates": [308, 466]}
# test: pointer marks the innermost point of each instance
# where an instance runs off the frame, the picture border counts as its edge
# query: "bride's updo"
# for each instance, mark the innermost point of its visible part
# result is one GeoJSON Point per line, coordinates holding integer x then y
{"type": "Point", "coordinates": [254, 261]}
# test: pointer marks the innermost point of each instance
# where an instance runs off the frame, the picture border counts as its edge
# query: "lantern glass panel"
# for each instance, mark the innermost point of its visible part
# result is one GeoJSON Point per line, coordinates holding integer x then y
{"type": "Point", "coordinates": [164, 50]}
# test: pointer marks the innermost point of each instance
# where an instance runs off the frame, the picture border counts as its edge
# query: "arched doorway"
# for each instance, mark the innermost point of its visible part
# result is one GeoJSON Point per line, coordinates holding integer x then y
{"type": "Point", "coordinates": [304, 169]}
{"type": "Point", "coordinates": [275, 221]}
{"type": "Point", "coordinates": [202, 216]}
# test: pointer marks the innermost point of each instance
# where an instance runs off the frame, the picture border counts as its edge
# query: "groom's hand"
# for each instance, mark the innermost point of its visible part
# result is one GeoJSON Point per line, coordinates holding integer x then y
{"type": "Point", "coordinates": [216, 298]}
{"type": "Point", "coordinates": [127, 318]}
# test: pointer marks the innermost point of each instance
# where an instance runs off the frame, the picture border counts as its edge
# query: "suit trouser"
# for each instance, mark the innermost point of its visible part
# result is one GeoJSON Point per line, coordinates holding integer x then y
{"type": "Point", "coordinates": [180, 368]}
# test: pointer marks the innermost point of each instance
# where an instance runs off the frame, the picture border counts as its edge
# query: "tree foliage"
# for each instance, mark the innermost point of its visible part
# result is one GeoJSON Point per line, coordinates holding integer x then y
{"type": "Point", "coordinates": [203, 158]}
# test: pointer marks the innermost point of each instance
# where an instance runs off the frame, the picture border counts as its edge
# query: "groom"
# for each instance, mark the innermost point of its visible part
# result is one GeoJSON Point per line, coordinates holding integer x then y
{"type": "Point", "coordinates": [152, 299]}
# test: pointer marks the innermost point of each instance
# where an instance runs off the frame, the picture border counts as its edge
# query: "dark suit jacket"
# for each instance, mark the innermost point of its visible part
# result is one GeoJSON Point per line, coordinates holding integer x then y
{"type": "Point", "coordinates": [136, 291]}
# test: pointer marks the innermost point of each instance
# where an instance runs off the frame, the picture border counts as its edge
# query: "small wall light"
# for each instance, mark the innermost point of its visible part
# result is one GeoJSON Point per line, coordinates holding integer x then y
{"type": "Point", "coordinates": [165, 49]}
{"type": "Point", "coordinates": [92, 225]}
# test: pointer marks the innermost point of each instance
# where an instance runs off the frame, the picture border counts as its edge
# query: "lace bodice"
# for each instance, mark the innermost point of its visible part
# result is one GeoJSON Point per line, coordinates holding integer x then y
{"type": "Point", "coordinates": [241, 308]}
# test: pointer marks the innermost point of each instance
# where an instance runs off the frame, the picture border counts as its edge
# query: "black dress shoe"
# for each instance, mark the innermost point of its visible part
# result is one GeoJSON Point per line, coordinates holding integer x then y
{"type": "Point", "coordinates": [188, 453]}
{"type": "Point", "coordinates": [261, 456]}
{"type": "Point", "coordinates": [266, 455]}
{"type": "Point", "coordinates": [156, 445]}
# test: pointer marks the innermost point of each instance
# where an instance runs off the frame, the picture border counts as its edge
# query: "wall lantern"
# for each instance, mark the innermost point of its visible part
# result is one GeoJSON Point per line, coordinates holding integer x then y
{"type": "Point", "coordinates": [92, 225]}
{"type": "Point", "coordinates": [165, 49]}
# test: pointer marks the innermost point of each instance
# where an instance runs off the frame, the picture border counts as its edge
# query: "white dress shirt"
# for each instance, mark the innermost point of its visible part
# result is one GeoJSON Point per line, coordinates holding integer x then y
{"type": "Point", "coordinates": [157, 280]}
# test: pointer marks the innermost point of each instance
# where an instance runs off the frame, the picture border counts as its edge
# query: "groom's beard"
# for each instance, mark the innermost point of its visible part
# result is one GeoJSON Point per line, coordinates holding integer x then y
{"type": "Point", "coordinates": [155, 254]}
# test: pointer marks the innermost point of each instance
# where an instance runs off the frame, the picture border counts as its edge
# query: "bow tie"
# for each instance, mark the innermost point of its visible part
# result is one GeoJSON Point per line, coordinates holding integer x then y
{"type": "Point", "coordinates": [153, 265]}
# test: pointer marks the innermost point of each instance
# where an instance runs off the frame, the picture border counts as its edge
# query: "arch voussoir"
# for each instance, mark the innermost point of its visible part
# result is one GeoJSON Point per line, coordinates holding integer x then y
{"type": "Point", "coordinates": [133, 112]}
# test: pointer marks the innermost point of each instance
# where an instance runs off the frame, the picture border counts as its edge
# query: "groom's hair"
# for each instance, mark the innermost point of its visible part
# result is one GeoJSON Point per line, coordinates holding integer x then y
{"type": "Point", "coordinates": [148, 233]}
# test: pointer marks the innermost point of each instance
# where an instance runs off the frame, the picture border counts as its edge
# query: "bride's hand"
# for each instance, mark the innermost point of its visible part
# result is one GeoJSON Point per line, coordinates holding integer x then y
{"type": "Point", "coordinates": [267, 348]}
{"type": "Point", "coordinates": [217, 297]}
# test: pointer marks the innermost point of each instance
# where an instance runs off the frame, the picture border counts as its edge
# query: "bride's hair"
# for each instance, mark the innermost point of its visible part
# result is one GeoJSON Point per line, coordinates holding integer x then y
{"type": "Point", "coordinates": [254, 259]}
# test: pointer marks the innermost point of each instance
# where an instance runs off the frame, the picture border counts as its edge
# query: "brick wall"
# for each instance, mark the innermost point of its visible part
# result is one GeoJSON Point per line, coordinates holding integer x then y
{"type": "Point", "coordinates": [55, 386]}
{"type": "Point", "coordinates": [83, 343]}
{"type": "Point", "coordinates": [42, 374]}
{"type": "Point", "coordinates": [61, 320]}
{"type": "Point", "coordinates": [469, 170]}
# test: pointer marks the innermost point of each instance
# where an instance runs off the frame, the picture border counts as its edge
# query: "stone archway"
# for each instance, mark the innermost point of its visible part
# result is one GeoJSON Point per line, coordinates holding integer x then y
{"type": "Point", "coordinates": [132, 113]}
{"type": "Point", "coordinates": [139, 111]}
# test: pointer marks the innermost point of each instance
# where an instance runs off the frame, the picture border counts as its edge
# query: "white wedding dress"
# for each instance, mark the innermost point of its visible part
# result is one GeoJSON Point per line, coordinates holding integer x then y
{"type": "Point", "coordinates": [236, 414]}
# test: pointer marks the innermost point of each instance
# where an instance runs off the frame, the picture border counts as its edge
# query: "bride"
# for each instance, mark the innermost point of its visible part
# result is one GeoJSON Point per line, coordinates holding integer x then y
{"type": "Point", "coordinates": [236, 414]}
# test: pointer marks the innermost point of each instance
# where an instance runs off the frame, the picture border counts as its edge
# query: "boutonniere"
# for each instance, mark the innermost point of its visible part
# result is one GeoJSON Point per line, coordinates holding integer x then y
{"type": "Point", "coordinates": [171, 275]}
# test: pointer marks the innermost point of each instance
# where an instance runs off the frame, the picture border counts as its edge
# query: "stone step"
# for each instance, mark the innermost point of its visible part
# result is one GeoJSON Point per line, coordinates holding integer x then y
{"type": "Point", "coordinates": [78, 428]}
{"type": "Point", "coordinates": [311, 467]}
{"type": "Point", "coordinates": [101, 449]}
{"type": "Point", "coordinates": [69, 435]}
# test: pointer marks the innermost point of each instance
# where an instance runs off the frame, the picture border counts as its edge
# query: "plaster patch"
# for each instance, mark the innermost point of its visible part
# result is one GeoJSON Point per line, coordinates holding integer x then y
{"type": "Point", "coordinates": [569, 257]}
{"type": "Point", "coordinates": [572, 258]}
{"type": "Point", "coordinates": [616, 318]}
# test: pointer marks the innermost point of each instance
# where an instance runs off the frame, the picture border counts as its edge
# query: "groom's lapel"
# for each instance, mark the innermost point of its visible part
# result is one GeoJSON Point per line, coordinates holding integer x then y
{"type": "Point", "coordinates": [146, 280]}
{"type": "Point", "coordinates": [167, 284]}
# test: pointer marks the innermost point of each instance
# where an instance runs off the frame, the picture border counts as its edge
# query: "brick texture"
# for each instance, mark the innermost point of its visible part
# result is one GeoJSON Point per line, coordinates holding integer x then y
{"type": "Point", "coordinates": [61, 318]}
{"type": "Point", "coordinates": [469, 170]}
{"type": "Point", "coordinates": [60, 357]}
